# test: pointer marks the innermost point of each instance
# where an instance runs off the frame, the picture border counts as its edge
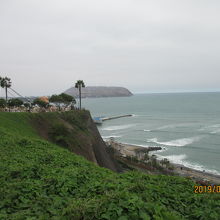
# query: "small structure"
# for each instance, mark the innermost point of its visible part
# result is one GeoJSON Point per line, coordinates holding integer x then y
{"type": "Point", "coordinates": [97, 120]}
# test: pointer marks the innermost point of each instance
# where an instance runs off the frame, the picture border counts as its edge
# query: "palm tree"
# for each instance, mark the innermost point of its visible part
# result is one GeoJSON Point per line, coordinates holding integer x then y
{"type": "Point", "coordinates": [5, 83]}
{"type": "Point", "coordinates": [1, 81]}
{"type": "Point", "coordinates": [79, 85]}
{"type": "Point", "coordinates": [1, 78]}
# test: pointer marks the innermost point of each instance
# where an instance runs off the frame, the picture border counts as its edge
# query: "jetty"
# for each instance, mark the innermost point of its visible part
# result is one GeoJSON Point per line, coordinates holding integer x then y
{"type": "Point", "coordinates": [116, 117]}
{"type": "Point", "coordinates": [99, 120]}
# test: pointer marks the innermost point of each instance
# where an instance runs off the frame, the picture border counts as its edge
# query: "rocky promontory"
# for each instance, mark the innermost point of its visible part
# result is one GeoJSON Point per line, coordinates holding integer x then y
{"type": "Point", "coordinates": [99, 91]}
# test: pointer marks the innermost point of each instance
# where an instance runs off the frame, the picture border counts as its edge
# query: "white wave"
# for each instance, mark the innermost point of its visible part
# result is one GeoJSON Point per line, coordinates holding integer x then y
{"type": "Point", "coordinates": [200, 167]}
{"type": "Point", "coordinates": [181, 159]}
{"type": "Point", "coordinates": [177, 159]}
{"type": "Point", "coordinates": [212, 129]}
{"type": "Point", "coordinates": [176, 143]}
{"type": "Point", "coordinates": [146, 130]}
{"type": "Point", "coordinates": [170, 126]}
{"type": "Point", "coordinates": [111, 136]}
{"type": "Point", "coordinates": [214, 126]}
{"type": "Point", "coordinates": [217, 131]}
{"type": "Point", "coordinates": [117, 127]}
{"type": "Point", "coordinates": [167, 126]}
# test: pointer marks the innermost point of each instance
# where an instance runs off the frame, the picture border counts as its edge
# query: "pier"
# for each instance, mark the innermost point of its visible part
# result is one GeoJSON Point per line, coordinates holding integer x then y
{"type": "Point", "coordinates": [116, 117]}
{"type": "Point", "coordinates": [99, 120]}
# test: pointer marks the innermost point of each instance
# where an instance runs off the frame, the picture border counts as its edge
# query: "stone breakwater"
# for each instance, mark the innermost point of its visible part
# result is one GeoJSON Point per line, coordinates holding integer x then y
{"type": "Point", "coordinates": [129, 150]}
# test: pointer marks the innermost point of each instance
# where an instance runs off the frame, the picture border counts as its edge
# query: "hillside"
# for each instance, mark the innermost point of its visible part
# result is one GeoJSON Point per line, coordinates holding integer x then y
{"type": "Point", "coordinates": [75, 131]}
{"type": "Point", "coordinates": [99, 91]}
{"type": "Point", "coordinates": [41, 180]}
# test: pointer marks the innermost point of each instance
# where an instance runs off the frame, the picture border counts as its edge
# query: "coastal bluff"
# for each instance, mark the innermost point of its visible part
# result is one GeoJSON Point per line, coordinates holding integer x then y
{"type": "Point", "coordinates": [99, 91]}
{"type": "Point", "coordinates": [49, 171]}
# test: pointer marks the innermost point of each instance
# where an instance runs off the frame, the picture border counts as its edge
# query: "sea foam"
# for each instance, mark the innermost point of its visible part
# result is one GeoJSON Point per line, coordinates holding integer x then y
{"type": "Point", "coordinates": [117, 127]}
{"type": "Point", "coordinates": [175, 143]}
{"type": "Point", "coordinates": [211, 129]}
{"type": "Point", "coordinates": [177, 159]}
{"type": "Point", "coordinates": [181, 159]}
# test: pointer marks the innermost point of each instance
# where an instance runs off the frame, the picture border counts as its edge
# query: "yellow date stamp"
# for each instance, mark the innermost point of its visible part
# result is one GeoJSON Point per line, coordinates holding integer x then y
{"type": "Point", "coordinates": [207, 189]}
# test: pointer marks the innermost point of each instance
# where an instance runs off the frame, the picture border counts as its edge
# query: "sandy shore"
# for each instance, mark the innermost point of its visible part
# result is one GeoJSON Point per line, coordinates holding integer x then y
{"type": "Point", "coordinates": [179, 169]}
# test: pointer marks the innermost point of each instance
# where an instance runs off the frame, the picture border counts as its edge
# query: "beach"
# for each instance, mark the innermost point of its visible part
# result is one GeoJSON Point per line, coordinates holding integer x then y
{"type": "Point", "coordinates": [127, 150]}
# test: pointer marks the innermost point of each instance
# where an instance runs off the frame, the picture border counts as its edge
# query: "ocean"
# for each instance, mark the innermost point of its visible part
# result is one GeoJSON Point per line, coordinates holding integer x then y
{"type": "Point", "coordinates": [185, 125]}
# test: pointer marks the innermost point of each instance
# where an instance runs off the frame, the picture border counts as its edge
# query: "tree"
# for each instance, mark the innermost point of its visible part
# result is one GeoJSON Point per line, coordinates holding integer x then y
{"type": "Point", "coordinates": [28, 105]}
{"type": "Point", "coordinates": [2, 103]}
{"type": "Point", "coordinates": [62, 98]}
{"type": "Point", "coordinates": [1, 81]}
{"type": "Point", "coordinates": [67, 99]}
{"type": "Point", "coordinates": [15, 102]}
{"type": "Point", "coordinates": [79, 85]}
{"type": "Point", "coordinates": [5, 83]}
{"type": "Point", "coordinates": [40, 102]}
{"type": "Point", "coordinates": [57, 99]}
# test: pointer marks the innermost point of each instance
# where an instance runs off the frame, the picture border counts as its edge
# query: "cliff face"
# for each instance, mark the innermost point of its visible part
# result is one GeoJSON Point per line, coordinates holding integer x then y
{"type": "Point", "coordinates": [99, 91]}
{"type": "Point", "coordinates": [75, 131]}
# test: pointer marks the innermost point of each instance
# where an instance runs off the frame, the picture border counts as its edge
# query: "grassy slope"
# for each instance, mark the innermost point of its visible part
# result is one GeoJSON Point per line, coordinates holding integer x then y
{"type": "Point", "coordinates": [40, 180]}
{"type": "Point", "coordinates": [75, 131]}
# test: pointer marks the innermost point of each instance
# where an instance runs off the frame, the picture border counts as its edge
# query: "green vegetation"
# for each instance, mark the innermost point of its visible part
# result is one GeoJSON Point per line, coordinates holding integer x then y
{"type": "Point", "coordinates": [3, 103]}
{"type": "Point", "coordinates": [15, 102]}
{"type": "Point", "coordinates": [40, 180]}
{"type": "Point", "coordinates": [60, 132]}
{"type": "Point", "coordinates": [5, 83]}
{"type": "Point", "coordinates": [41, 103]}
{"type": "Point", "coordinates": [62, 98]}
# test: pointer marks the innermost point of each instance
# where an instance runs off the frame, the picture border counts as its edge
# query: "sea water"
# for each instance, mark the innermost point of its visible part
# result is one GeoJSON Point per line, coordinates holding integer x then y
{"type": "Point", "coordinates": [185, 125]}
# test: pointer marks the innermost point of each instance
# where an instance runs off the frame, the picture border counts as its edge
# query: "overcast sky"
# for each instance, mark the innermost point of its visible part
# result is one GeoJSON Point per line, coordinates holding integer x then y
{"type": "Point", "coordinates": [146, 46]}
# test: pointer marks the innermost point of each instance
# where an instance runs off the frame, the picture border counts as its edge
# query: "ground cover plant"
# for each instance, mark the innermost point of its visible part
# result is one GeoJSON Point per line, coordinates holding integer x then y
{"type": "Point", "coordinates": [40, 180]}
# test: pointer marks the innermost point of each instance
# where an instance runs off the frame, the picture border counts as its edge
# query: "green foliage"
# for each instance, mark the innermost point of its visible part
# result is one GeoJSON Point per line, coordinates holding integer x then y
{"type": "Point", "coordinates": [56, 99]}
{"type": "Point", "coordinates": [5, 82]}
{"type": "Point", "coordinates": [79, 84]}
{"type": "Point", "coordinates": [67, 98]}
{"type": "Point", "coordinates": [40, 180]}
{"type": "Point", "coordinates": [62, 98]}
{"type": "Point", "coordinates": [15, 102]}
{"type": "Point", "coordinates": [17, 123]}
{"type": "Point", "coordinates": [64, 128]}
{"type": "Point", "coordinates": [59, 134]}
{"type": "Point", "coordinates": [2, 103]}
{"type": "Point", "coordinates": [27, 104]}
{"type": "Point", "coordinates": [40, 102]}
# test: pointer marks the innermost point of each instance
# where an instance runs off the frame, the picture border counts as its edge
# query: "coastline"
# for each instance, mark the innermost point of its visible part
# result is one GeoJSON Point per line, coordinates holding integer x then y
{"type": "Point", "coordinates": [130, 150]}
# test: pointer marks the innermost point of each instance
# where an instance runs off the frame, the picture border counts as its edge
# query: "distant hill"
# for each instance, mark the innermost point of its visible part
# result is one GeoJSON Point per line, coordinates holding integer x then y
{"type": "Point", "coordinates": [99, 91]}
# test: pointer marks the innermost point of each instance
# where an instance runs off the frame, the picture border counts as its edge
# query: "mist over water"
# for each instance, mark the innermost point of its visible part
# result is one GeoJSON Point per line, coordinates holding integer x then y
{"type": "Point", "coordinates": [186, 126]}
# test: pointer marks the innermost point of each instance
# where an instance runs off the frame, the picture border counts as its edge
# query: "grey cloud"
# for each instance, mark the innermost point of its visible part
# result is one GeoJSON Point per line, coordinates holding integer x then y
{"type": "Point", "coordinates": [143, 45]}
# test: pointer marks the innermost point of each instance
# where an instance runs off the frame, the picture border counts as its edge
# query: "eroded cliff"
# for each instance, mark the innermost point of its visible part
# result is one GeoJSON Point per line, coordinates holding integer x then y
{"type": "Point", "coordinates": [75, 131]}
